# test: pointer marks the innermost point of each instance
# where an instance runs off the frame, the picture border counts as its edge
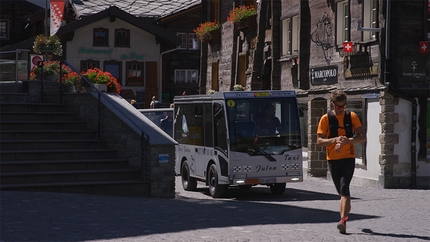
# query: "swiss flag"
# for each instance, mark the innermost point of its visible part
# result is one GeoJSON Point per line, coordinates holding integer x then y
{"type": "Point", "coordinates": [348, 46]}
{"type": "Point", "coordinates": [424, 47]}
{"type": "Point", "coordinates": [57, 12]}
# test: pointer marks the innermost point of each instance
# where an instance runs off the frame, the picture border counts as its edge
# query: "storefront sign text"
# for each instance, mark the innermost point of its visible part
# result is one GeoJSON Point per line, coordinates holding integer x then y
{"type": "Point", "coordinates": [132, 56]}
{"type": "Point", "coordinates": [414, 68]}
{"type": "Point", "coordinates": [94, 51]}
{"type": "Point", "coordinates": [324, 75]}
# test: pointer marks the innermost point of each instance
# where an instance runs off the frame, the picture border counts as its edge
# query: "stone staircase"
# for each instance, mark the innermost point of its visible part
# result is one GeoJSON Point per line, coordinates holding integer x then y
{"type": "Point", "coordinates": [45, 148]}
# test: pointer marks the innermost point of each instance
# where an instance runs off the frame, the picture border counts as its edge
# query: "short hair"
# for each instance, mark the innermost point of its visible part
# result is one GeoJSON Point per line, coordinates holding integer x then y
{"type": "Point", "coordinates": [338, 96]}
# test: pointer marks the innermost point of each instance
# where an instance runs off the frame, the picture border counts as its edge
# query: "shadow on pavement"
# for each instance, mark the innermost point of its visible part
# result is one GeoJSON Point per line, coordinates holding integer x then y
{"type": "Point", "coordinates": [406, 236]}
{"type": "Point", "coordinates": [263, 193]}
{"type": "Point", "coordinates": [27, 216]}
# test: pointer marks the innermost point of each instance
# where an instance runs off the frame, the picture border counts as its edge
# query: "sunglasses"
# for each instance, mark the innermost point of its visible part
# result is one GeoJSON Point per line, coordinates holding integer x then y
{"type": "Point", "coordinates": [339, 107]}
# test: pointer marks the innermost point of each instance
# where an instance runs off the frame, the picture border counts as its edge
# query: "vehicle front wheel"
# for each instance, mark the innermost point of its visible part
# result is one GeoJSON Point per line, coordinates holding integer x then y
{"type": "Point", "coordinates": [277, 188]}
{"type": "Point", "coordinates": [215, 189]}
{"type": "Point", "coordinates": [188, 183]}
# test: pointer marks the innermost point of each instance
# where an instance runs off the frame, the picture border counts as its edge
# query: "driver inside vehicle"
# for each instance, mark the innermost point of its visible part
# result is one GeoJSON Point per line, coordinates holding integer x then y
{"type": "Point", "coordinates": [268, 123]}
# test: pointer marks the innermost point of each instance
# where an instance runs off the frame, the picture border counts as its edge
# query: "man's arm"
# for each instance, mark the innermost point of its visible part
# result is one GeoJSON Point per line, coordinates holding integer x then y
{"type": "Point", "coordinates": [323, 141]}
{"type": "Point", "coordinates": [360, 136]}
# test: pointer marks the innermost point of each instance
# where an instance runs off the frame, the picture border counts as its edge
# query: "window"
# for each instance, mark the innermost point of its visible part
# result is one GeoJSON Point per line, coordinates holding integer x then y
{"type": "Point", "coordinates": [115, 68]}
{"type": "Point", "coordinates": [358, 107]}
{"type": "Point", "coordinates": [370, 19]}
{"type": "Point", "coordinates": [428, 20]}
{"type": "Point", "coordinates": [215, 11]}
{"type": "Point", "coordinates": [89, 64]}
{"type": "Point", "coordinates": [188, 41]}
{"type": "Point", "coordinates": [342, 23]}
{"type": "Point", "coordinates": [122, 38]}
{"type": "Point", "coordinates": [427, 142]}
{"type": "Point", "coordinates": [290, 36]}
{"type": "Point", "coordinates": [135, 73]}
{"type": "Point", "coordinates": [186, 76]}
{"type": "Point", "coordinates": [100, 37]}
{"type": "Point", "coordinates": [4, 29]}
{"type": "Point", "coordinates": [193, 42]}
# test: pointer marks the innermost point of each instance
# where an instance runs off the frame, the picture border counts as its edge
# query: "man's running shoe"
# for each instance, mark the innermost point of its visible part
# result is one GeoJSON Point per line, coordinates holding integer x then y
{"type": "Point", "coordinates": [341, 226]}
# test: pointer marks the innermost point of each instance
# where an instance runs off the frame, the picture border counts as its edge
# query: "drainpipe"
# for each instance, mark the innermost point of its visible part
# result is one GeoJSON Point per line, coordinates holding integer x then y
{"type": "Point", "coordinates": [160, 69]}
{"type": "Point", "coordinates": [401, 95]}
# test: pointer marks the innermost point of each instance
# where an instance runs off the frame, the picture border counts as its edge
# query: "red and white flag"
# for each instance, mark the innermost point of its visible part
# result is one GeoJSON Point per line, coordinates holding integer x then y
{"type": "Point", "coordinates": [348, 46]}
{"type": "Point", "coordinates": [424, 47]}
{"type": "Point", "coordinates": [57, 12]}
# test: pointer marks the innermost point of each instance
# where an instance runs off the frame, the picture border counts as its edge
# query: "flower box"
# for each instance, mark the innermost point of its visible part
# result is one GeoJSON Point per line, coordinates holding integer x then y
{"type": "Point", "coordinates": [213, 37]}
{"type": "Point", "coordinates": [208, 31]}
{"type": "Point", "coordinates": [249, 22]}
{"type": "Point", "coordinates": [244, 17]}
{"type": "Point", "coordinates": [101, 87]}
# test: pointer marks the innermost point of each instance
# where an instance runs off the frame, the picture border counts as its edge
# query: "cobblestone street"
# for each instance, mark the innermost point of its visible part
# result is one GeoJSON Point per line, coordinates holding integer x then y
{"type": "Point", "coordinates": [307, 211]}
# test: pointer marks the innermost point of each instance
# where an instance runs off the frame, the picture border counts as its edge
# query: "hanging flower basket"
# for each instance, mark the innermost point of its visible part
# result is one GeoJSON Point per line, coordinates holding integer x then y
{"type": "Point", "coordinates": [208, 31]}
{"type": "Point", "coordinates": [47, 44]}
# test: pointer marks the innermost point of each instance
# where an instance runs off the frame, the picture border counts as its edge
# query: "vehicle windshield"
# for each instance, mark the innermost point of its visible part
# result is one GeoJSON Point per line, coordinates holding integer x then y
{"type": "Point", "coordinates": [262, 126]}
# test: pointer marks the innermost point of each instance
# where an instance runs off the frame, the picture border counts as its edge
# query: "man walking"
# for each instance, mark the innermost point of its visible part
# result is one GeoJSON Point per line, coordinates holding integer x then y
{"type": "Point", "coordinates": [338, 131]}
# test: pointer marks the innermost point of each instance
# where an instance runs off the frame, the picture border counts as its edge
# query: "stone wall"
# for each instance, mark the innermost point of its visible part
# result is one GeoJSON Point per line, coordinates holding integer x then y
{"type": "Point", "coordinates": [317, 163]}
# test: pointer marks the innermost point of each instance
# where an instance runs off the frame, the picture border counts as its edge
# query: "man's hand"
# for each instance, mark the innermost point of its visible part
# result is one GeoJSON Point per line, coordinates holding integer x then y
{"type": "Point", "coordinates": [340, 142]}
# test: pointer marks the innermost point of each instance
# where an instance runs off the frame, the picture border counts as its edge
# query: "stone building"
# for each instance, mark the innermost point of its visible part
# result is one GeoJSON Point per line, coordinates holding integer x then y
{"type": "Point", "coordinates": [374, 50]}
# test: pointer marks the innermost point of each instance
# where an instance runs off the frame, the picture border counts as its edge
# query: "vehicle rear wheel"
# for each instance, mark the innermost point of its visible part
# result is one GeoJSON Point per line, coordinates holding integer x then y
{"type": "Point", "coordinates": [188, 183]}
{"type": "Point", "coordinates": [277, 188]}
{"type": "Point", "coordinates": [215, 189]}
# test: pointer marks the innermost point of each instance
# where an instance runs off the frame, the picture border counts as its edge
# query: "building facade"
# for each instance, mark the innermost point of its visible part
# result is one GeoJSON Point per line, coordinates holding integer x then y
{"type": "Point", "coordinates": [368, 48]}
{"type": "Point", "coordinates": [149, 46]}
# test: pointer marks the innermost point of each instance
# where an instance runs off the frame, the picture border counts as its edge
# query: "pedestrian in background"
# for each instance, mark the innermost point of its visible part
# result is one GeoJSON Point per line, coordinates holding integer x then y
{"type": "Point", "coordinates": [154, 103]}
{"type": "Point", "coordinates": [133, 102]}
{"type": "Point", "coordinates": [338, 131]}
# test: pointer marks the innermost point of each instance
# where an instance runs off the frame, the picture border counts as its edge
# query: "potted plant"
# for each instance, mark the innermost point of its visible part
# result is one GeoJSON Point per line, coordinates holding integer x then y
{"type": "Point", "coordinates": [238, 87]}
{"type": "Point", "coordinates": [72, 80]}
{"type": "Point", "coordinates": [97, 76]}
{"type": "Point", "coordinates": [208, 31]}
{"type": "Point", "coordinates": [244, 17]}
{"type": "Point", "coordinates": [51, 71]}
{"type": "Point", "coordinates": [44, 44]}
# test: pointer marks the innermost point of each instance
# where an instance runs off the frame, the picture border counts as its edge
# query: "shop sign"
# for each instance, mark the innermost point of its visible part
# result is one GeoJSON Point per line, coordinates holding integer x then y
{"type": "Point", "coordinates": [133, 56]}
{"type": "Point", "coordinates": [414, 68]}
{"type": "Point", "coordinates": [83, 50]}
{"type": "Point", "coordinates": [324, 75]}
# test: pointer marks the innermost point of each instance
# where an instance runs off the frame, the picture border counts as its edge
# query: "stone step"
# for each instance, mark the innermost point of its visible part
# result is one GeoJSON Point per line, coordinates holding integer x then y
{"type": "Point", "coordinates": [62, 165]}
{"type": "Point", "coordinates": [68, 176]}
{"type": "Point", "coordinates": [47, 134]}
{"type": "Point", "coordinates": [52, 144]}
{"type": "Point", "coordinates": [133, 188]}
{"type": "Point", "coordinates": [20, 155]}
{"type": "Point", "coordinates": [39, 116]}
{"type": "Point", "coordinates": [31, 107]}
{"type": "Point", "coordinates": [42, 125]}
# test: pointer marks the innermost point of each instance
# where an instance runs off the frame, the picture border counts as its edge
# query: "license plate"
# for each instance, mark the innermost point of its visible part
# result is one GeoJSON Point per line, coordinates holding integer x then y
{"type": "Point", "coordinates": [267, 180]}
